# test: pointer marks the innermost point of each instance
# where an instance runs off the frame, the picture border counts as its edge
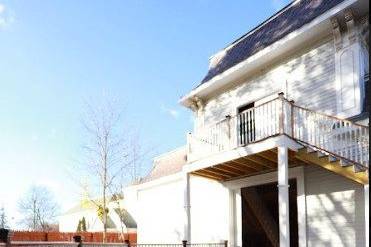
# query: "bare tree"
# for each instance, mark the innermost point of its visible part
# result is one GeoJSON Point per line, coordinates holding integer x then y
{"type": "Point", "coordinates": [39, 208]}
{"type": "Point", "coordinates": [3, 218]}
{"type": "Point", "coordinates": [110, 154]}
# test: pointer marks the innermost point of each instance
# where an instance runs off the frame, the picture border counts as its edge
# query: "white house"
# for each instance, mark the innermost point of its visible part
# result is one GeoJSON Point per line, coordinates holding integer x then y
{"type": "Point", "coordinates": [118, 219]}
{"type": "Point", "coordinates": [279, 153]}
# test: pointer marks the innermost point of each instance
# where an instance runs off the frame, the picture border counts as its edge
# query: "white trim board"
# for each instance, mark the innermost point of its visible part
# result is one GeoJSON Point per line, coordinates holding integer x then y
{"type": "Point", "coordinates": [253, 148]}
{"type": "Point", "coordinates": [159, 181]}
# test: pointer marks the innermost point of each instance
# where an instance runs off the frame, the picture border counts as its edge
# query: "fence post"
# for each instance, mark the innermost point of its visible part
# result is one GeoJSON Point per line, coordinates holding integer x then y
{"type": "Point", "coordinates": [226, 243]}
{"type": "Point", "coordinates": [127, 242]}
{"type": "Point", "coordinates": [77, 239]}
{"type": "Point", "coordinates": [4, 236]}
{"type": "Point", "coordinates": [184, 243]}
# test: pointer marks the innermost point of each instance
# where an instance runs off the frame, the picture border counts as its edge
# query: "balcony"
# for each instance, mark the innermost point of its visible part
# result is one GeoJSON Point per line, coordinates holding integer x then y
{"type": "Point", "coordinates": [333, 137]}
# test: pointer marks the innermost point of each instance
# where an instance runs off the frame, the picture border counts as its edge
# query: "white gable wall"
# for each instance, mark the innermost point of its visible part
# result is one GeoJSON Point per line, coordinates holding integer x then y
{"type": "Point", "coordinates": [307, 78]}
{"type": "Point", "coordinates": [159, 211]}
{"type": "Point", "coordinates": [209, 211]}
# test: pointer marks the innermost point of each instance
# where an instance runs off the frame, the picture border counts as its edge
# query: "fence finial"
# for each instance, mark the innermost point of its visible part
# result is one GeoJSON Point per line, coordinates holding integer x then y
{"type": "Point", "coordinates": [184, 243]}
{"type": "Point", "coordinates": [127, 242]}
{"type": "Point", "coordinates": [4, 235]}
{"type": "Point", "coordinates": [77, 239]}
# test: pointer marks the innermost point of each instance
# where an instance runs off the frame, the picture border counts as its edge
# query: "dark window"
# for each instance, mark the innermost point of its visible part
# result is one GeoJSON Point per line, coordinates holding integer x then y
{"type": "Point", "coordinates": [366, 103]}
{"type": "Point", "coordinates": [246, 107]}
{"type": "Point", "coordinates": [246, 124]}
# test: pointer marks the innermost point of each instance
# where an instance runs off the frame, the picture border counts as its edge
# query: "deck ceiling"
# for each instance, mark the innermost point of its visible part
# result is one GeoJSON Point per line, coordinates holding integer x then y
{"type": "Point", "coordinates": [251, 165]}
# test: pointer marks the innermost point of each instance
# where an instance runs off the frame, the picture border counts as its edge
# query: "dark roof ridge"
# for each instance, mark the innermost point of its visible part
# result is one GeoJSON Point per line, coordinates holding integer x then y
{"type": "Point", "coordinates": [288, 19]}
{"type": "Point", "coordinates": [166, 164]}
{"type": "Point", "coordinates": [256, 28]}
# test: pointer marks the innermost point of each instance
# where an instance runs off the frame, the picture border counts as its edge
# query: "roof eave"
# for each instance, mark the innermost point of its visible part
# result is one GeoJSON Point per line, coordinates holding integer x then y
{"type": "Point", "coordinates": [309, 31]}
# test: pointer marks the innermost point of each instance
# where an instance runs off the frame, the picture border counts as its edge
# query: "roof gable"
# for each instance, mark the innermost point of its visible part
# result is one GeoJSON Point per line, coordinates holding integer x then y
{"type": "Point", "coordinates": [168, 164]}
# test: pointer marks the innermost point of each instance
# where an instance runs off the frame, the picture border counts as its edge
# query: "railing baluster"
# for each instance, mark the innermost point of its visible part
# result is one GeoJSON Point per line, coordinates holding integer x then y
{"type": "Point", "coordinates": [276, 116]}
{"type": "Point", "coordinates": [265, 122]}
{"type": "Point", "coordinates": [253, 125]}
{"type": "Point", "coordinates": [245, 119]}
{"type": "Point", "coordinates": [257, 127]}
{"type": "Point", "coordinates": [238, 130]}
{"type": "Point", "coordinates": [248, 126]}
{"type": "Point", "coordinates": [342, 139]}
{"type": "Point", "coordinates": [271, 114]}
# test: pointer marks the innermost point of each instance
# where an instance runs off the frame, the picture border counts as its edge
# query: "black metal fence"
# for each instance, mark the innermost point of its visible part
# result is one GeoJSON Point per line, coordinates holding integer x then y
{"type": "Point", "coordinates": [183, 244]}
{"type": "Point", "coordinates": [81, 244]}
{"type": "Point", "coordinates": [126, 244]}
{"type": "Point", "coordinates": [5, 242]}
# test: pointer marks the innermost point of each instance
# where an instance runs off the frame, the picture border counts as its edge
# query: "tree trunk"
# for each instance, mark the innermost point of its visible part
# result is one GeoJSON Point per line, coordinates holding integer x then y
{"type": "Point", "coordinates": [104, 193]}
{"type": "Point", "coordinates": [104, 216]}
{"type": "Point", "coordinates": [34, 215]}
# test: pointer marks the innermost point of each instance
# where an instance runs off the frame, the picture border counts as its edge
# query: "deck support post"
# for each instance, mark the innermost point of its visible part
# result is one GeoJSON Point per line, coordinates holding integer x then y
{"type": "Point", "coordinates": [187, 208]}
{"type": "Point", "coordinates": [232, 217]}
{"type": "Point", "coordinates": [367, 214]}
{"type": "Point", "coordinates": [283, 197]}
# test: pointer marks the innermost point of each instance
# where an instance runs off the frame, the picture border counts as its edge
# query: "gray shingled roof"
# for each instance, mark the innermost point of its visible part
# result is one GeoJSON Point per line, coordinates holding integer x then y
{"type": "Point", "coordinates": [126, 218]}
{"type": "Point", "coordinates": [168, 164]}
{"type": "Point", "coordinates": [289, 19]}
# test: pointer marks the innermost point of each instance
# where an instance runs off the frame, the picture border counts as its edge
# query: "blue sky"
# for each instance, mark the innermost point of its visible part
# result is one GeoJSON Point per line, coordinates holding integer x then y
{"type": "Point", "coordinates": [55, 54]}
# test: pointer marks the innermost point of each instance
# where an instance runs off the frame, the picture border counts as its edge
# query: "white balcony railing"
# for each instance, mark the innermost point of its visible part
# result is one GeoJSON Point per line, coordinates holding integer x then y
{"type": "Point", "coordinates": [335, 136]}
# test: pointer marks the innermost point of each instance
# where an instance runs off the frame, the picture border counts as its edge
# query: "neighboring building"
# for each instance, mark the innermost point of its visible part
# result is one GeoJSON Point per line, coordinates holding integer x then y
{"type": "Point", "coordinates": [263, 168]}
{"type": "Point", "coordinates": [118, 220]}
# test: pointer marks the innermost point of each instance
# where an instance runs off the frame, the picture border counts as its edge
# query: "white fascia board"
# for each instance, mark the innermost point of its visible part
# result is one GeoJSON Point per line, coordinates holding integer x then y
{"type": "Point", "coordinates": [239, 152]}
{"type": "Point", "coordinates": [157, 182]}
{"type": "Point", "coordinates": [265, 178]}
{"type": "Point", "coordinates": [309, 31]}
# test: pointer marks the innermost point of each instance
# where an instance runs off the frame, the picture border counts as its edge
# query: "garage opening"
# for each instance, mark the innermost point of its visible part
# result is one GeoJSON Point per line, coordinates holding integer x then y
{"type": "Point", "coordinates": [260, 225]}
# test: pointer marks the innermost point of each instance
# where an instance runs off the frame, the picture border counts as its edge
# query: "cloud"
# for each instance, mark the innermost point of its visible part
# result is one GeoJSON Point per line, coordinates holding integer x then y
{"type": "Point", "coordinates": [6, 17]}
{"type": "Point", "coordinates": [172, 112]}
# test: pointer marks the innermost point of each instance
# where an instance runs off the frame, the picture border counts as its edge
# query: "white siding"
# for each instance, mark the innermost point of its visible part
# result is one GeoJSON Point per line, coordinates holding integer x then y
{"type": "Point", "coordinates": [209, 211]}
{"type": "Point", "coordinates": [335, 209]}
{"type": "Point", "coordinates": [311, 81]}
{"type": "Point", "coordinates": [160, 212]}
{"type": "Point", "coordinates": [308, 78]}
